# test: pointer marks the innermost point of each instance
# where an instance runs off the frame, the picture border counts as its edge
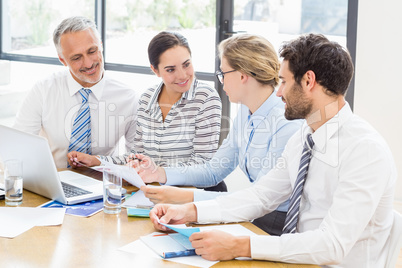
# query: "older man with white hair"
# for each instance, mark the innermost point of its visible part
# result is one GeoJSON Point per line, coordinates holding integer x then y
{"type": "Point", "coordinates": [80, 108]}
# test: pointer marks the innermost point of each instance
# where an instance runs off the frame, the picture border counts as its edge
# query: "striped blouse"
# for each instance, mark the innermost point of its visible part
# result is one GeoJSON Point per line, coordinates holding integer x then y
{"type": "Point", "coordinates": [188, 136]}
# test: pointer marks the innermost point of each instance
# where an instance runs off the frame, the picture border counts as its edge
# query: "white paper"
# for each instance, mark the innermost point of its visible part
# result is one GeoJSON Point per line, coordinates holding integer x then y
{"type": "Point", "coordinates": [15, 221]}
{"type": "Point", "coordinates": [138, 247]}
{"type": "Point", "coordinates": [127, 173]}
{"type": "Point", "coordinates": [138, 200]}
{"type": "Point", "coordinates": [131, 176]}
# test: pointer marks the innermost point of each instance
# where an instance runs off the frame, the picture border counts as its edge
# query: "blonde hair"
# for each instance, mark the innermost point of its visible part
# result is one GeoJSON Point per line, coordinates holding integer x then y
{"type": "Point", "coordinates": [253, 55]}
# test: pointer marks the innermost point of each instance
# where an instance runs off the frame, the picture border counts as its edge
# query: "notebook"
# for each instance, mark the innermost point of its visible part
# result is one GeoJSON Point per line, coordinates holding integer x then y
{"type": "Point", "coordinates": [169, 245]}
{"type": "Point", "coordinates": [39, 170]}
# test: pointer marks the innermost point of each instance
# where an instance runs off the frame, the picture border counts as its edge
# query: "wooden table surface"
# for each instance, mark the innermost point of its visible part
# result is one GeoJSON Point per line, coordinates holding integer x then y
{"type": "Point", "coordinates": [92, 242]}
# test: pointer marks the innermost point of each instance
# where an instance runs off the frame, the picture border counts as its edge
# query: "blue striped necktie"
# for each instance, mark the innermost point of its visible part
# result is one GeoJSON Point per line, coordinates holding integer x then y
{"type": "Point", "coordinates": [80, 140]}
{"type": "Point", "coordinates": [292, 216]}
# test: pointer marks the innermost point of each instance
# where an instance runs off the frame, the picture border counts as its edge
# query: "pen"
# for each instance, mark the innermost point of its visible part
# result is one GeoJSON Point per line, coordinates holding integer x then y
{"type": "Point", "coordinates": [160, 234]}
{"type": "Point", "coordinates": [135, 158]}
{"type": "Point", "coordinates": [82, 164]}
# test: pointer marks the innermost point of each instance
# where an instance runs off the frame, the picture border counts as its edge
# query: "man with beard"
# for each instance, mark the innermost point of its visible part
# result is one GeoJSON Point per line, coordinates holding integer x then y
{"type": "Point", "coordinates": [337, 171]}
{"type": "Point", "coordinates": [82, 108]}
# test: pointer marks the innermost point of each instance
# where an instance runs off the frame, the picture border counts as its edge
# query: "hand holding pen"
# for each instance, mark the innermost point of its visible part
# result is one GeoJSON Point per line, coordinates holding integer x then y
{"type": "Point", "coordinates": [78, 159]}
{"type": "Point", "coordinates": [133, 160]}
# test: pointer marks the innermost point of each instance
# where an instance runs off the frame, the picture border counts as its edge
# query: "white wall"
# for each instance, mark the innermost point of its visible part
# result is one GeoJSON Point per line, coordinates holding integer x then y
{"type": "Point", "coordinates": [378, 88]}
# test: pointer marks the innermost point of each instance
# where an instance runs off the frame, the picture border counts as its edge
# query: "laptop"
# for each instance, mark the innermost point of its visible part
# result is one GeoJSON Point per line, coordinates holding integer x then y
{"type": "Point", "coordinates": [39, 170]}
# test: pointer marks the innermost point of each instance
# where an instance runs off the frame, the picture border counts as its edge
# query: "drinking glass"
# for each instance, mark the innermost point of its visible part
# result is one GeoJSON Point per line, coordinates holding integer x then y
{"type": "Point", "coordinates": [13, 185]}
{"type": "Point", "coordinates": [112, 191]}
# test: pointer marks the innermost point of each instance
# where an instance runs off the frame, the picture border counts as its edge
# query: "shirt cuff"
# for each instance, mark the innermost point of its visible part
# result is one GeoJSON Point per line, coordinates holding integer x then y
{"type": "Point", "coordinates": [174, 176]}
{"type": "Point", "coordinates": [208, 211]}
{"type": "Point", "coordinates": [265, 247]}
{"type": "Point", "coordinates": [201, 195]}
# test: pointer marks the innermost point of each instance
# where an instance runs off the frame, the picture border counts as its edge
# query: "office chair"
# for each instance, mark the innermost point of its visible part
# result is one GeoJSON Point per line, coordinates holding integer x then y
{"type": "Point", "coordinates": [394, 242]}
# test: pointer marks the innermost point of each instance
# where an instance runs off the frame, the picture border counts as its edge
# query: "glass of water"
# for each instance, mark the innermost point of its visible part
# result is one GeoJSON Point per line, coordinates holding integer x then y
{"type": "Point", "coordinates": [13, 182]}
{"type": "Point", "coordinates": [112, 191]}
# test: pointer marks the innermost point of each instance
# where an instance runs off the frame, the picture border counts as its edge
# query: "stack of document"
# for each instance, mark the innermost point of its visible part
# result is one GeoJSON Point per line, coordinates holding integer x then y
{"type": "Point", "coordinates": [137, 205]}
{"type": "Point", "coordinates": [145, 247]}
{"type": "Point", "coordinates": [138, 200]}
{"type": "Point", "coordinates": [169, 245]}
{"type": "Point", "coordinates": [172, 245]}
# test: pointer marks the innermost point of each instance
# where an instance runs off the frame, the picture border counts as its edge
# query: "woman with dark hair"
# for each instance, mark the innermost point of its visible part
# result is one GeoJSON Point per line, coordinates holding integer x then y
{"type": "Point", "coordinates": [178, 121]}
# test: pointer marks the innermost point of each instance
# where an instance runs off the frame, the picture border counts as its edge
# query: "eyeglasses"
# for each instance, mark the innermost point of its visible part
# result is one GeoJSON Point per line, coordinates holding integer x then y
{"type": "Point", "coordinates": [220, 75]}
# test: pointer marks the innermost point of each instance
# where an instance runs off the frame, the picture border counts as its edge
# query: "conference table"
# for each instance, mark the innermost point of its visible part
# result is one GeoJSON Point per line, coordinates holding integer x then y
{"type": "Point", "coordinates": [94, 241]}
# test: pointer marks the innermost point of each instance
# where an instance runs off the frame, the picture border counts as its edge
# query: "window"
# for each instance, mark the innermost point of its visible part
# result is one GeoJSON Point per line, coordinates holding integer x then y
{"type": "Point", "coordinates": [282, 20]}
{"type": "Point", "coordinates": [127, 26]}
{"type": "Point", "coordinates": [131, 24]}
{"type": "Point", "coordinates": [27, 25]}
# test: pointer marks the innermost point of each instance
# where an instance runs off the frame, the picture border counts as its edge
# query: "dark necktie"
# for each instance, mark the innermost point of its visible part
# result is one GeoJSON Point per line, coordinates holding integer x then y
{"type": "Point", "coordinates": [292, 216]}
{"type": "Point", "coordinates": [250, 138]}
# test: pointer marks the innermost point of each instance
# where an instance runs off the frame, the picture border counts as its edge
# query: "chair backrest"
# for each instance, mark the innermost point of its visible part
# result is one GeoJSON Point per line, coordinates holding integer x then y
{"type": "Point", "coordinates": [394, 242]}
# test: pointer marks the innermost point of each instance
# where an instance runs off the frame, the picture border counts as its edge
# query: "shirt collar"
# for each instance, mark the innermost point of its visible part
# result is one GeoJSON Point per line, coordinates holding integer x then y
{"type": "Point", "coordinates": [97, 89]}
{"type": "Point", "coordinates": [329, 129]}
{"type": "Point", "coordinates": [258, 116]}
{"type": "Point", "coordinates": [189, 95]}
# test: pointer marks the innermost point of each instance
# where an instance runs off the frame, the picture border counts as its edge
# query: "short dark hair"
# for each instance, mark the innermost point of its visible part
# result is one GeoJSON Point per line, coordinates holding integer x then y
{"type": "Point", "coordinates": [162, 42]}
{"type": "Point", "coordinates": [330, 62]}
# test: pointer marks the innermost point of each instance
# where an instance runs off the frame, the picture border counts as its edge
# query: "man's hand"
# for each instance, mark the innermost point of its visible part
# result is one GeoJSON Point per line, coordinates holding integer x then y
{"type": "Point", "coordinates": [216, 245]}
{"type": "Point", "coordinates": [172, 214]}
{"type": "Point", "coordinates": [74, 158]}
{"type": "Point", "coordinates": [147, 169]}
{"type": "Point", "coordinates": [168, 194]}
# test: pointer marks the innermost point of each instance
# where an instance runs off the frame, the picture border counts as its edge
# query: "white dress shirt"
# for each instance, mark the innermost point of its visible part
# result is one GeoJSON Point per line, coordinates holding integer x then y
{"type": "Point", "coordinates": [346, 206]}
{"type": "Point", "coordinates": [255, 153]}
{"type": "Point", "coordinates": [52, 105]}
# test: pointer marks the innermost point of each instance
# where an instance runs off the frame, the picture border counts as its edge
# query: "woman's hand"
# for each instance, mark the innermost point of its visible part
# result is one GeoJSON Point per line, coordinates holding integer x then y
{"type": "Point", "coordinates": [168, 194]}
{"type": "Point", "coordinates": [147, 169]}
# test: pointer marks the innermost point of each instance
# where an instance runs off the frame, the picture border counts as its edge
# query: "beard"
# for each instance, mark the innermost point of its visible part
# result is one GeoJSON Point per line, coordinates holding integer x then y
{"type": "Point", "coordinates": [298, 106]}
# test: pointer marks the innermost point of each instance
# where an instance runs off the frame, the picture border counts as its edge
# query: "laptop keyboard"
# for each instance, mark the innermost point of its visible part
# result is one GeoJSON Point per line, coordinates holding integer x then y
{"type": "Point", "coordinates": [71, 191]}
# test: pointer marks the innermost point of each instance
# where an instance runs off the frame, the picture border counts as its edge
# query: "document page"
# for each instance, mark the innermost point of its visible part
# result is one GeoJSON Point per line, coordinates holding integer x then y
{"type": "Point", "coordinates": [127, 173]}
{"type": "Point", "coordinates": [15, 221]}
{"type": "Point", "coordinates": [138, 200]}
